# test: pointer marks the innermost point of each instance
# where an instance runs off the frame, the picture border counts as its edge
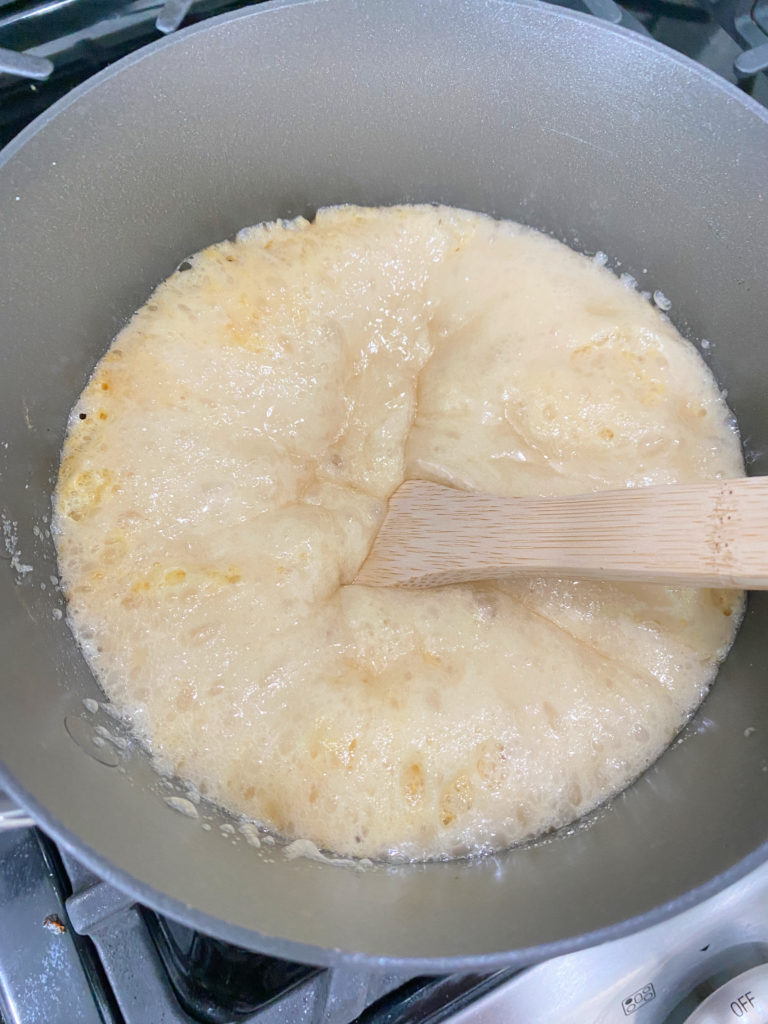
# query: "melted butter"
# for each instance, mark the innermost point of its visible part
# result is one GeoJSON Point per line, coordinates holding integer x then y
{"type": "Point", "coordinates": [225, 472]}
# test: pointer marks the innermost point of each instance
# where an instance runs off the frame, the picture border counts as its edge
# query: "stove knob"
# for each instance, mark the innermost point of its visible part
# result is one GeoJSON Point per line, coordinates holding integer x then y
{"type": "Point", "coordinates": [743, 998]}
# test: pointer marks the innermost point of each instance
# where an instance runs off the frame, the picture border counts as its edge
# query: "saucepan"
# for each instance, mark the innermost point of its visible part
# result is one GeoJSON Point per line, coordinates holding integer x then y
{"type": "Point", "coordinates": [606, 140]}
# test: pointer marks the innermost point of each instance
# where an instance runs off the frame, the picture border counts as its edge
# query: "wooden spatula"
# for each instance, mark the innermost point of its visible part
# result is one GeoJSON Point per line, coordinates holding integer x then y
{"type": "Point", "coordinates": [693, 535]}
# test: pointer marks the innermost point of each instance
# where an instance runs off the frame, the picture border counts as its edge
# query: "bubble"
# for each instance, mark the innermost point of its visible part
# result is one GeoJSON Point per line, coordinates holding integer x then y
{"type": "Point", "coordinates": [182, 805]}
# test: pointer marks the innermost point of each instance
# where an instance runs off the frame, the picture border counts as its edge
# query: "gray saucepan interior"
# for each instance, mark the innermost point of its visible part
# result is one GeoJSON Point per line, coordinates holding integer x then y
{"type": "Point", "coordinates": [518, 109]}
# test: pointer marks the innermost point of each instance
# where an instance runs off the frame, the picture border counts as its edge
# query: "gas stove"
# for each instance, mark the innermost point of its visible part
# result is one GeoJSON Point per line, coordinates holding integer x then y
{"type": "Point", "coordinates": [75, 950]}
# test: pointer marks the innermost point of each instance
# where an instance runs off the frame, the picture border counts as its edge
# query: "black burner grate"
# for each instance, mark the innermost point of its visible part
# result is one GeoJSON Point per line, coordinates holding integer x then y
{"type": "Point", "coordinates": [216, 982]}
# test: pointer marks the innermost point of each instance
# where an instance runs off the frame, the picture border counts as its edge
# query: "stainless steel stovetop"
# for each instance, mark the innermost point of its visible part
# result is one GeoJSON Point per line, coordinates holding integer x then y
{"type": "Point", "coordinates": [708, 965]}
{"type": "Point", "coordinates": [74, 950]}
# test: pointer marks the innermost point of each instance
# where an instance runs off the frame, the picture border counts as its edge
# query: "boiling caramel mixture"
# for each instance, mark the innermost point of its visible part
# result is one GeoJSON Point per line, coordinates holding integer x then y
{"type": "Point", "coordinates": [229, 462]}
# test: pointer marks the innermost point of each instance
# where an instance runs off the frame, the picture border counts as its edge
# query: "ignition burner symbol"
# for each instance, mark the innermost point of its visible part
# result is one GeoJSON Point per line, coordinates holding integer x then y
{"type": "Point", "coordinates": [633, 1003]}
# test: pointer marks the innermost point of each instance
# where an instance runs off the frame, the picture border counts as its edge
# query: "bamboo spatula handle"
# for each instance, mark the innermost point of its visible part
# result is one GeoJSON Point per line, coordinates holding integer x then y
{"type": "Point", "coordinates": [699, 535]}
